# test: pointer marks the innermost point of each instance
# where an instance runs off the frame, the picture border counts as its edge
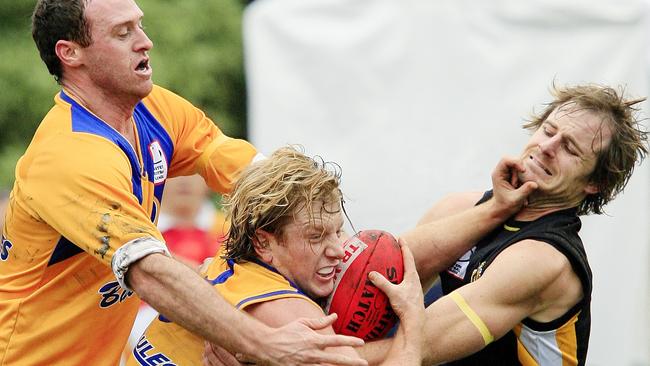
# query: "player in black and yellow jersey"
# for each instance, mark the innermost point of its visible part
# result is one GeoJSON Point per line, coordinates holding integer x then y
{"type": "Point", "coordinates": [520, 292]}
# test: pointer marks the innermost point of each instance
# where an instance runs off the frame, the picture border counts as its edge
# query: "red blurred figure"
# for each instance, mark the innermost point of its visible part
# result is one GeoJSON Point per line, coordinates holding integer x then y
{"type": "Point", "coordinates": [187, 220]}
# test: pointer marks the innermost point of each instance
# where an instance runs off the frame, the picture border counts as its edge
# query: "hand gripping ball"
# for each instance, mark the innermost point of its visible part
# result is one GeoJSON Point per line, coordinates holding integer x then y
{"type": "Point", "coordinates": [363, 310]}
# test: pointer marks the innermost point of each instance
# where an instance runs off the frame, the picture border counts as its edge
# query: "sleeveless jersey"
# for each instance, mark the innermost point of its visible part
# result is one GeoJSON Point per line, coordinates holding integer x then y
{"type": "Point", "coordinates": [560, 342]}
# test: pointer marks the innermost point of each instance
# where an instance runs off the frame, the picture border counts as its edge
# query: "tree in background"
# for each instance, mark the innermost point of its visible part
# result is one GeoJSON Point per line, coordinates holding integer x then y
{"type": "Point", "coordinates": [197, 53]}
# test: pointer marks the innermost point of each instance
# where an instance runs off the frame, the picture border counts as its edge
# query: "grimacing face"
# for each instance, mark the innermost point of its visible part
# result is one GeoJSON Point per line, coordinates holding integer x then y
{"type": "Point", "coordinates": [310, 249]}
{"type": "Point", "coordinates": [561, 155]}
{"type": "Point", "coordinates": [117, 60]}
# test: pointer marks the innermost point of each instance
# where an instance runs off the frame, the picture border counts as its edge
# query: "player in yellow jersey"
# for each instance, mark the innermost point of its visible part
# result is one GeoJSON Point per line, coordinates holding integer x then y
{"type": "Point", "coordinates": [278, 260]}
{"type": "Point", "coordinates": [80, 234]}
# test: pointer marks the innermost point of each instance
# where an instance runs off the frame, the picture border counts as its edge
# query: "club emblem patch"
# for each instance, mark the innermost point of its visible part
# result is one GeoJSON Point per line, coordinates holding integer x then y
{"type": "Point", "coordinates": [159, 162]}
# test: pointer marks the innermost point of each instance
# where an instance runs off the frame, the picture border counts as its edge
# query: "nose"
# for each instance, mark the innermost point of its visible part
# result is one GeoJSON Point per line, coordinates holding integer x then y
{"type": "Point", "coordinates": [144, 43]}
{"type": "Point", "coordinates": [549, 146]}
{"type": "Point", "coordinates": [335, 248]}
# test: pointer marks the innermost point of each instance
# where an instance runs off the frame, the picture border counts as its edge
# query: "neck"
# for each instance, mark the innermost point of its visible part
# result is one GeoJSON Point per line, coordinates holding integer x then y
{"type": "Point", "coordinates": [541, 205]}
{"type": "Point", "coordinates": [112, 109]}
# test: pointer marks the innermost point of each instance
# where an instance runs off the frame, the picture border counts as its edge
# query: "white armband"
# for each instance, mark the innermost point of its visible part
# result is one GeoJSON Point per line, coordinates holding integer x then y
{"type": "Point", "coordinates": [133, 251]}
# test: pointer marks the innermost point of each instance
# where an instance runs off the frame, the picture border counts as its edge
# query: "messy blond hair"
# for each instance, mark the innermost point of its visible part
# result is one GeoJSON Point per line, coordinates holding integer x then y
{"type": "Point", "coordinates": [627, 146]}
{"type": "Point", "coordinates": [270, 192]}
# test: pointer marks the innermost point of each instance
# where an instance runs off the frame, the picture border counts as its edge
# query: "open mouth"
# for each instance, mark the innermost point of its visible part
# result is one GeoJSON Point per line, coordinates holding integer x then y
{"type": "Point", "coordinates": [541, 166]}
{"type": "Point", "coordinates": [143, 65]}
{"type": "Point", "coordinates": [326, 272]}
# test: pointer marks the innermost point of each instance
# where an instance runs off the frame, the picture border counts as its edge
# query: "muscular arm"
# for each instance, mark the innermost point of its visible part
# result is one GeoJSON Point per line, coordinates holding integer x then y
{"type": "Point", "coordinates": [540, 284]}
{"type": "Point", "coordinates": [449, 229]}
{"type": "Point", "coordinates": [529, 279]}
{"type": "Point", "coordinates": [178, 292]}
{"type": "Point", "coordinates": [454, 225]}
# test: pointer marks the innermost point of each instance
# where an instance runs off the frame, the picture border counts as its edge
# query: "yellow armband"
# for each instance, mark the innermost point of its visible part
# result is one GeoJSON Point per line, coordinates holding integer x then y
{"type": "Point", "coordinates": [472, 316]}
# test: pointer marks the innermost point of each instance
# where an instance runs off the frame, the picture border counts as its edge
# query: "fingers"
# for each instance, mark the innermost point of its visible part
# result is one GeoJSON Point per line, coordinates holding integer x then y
{"type": "Point", "coordinates": [339, 341]}
{"type": "Point", "coordinates": [381, 282]}
{"type": "Point", "coordinates": [217, 356]}
{"type": "Point", "coordinates": [409, 261]}
{"type": "Point", "coordinates": [327, 340]}
{"type": "Point", "coordinates": [528, 188]}
{"type": "Point", "coordinates": [320, 323]}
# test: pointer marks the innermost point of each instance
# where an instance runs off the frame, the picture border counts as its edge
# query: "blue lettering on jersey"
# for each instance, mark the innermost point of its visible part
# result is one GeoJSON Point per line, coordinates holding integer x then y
{"type": "Point", "coordinates": [144, 353]}
{"type": "Point", "coordinates": [112, 293]}
{"type": "Point", "coordinates": [4, 249]}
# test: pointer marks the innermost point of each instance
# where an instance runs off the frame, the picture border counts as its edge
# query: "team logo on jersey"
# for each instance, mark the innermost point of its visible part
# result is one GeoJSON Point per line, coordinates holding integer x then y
{"type": "Point", "coordinates": [4, 249]}
{"type": "Point", "coordinates": [146, 355]}
{"type": "Point", "coordinates": [460, 267]}
{"type": "Point", "coordinates": [159, 162]}
{"type": "Point", "coordinates": [478, 272]}
{"type": "Point", "coordinates": [112, 293]}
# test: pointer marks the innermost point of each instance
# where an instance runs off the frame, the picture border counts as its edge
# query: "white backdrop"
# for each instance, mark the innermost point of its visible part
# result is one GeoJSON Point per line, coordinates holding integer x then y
{"type": "Point", "coordinates": [417, 98]}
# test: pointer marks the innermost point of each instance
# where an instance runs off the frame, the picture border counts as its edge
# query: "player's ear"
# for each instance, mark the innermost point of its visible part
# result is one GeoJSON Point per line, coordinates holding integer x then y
{"type": "Point", "coordinates": [262, 243]}
{"type": "Point", "coordinates": [69, 53]}
{"type": "Point", "coordinates": [592, 188]}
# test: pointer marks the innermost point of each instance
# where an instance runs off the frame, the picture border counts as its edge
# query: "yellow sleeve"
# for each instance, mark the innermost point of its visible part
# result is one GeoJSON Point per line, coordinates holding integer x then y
{"type": "Point", "coordinates": [80, 185]}
{"type": "Point", "coordinates": [248, 283]}
{"type": "Point", "coordinates": [200, 147]}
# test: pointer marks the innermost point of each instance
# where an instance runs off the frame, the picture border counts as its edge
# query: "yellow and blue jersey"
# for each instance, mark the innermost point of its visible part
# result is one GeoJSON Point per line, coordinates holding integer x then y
{"type": "Point", "coordinates": [81, 192]}
{"type": "Point", "coordinates": [241, 284]}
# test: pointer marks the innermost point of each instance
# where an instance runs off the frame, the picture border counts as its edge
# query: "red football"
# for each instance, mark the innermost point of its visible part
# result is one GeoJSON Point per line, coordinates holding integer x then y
{"type": "Point", "coordinates": [363, 310]}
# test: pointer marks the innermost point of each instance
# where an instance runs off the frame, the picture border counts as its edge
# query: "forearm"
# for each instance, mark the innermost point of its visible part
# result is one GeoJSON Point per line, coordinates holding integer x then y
{"type": "Point", "coordinates": [186, 299]}
{"type": "Point", "coordinates": [438, 243]}
{"type": "Point", "coordinates": [406, 349]}
{"type": "Point", "coordinates": [375, 352]}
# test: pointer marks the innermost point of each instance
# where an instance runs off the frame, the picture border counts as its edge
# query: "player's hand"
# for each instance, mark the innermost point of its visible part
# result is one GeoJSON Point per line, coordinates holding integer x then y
{"type": "Point", "coordinates": [406, 298]}
{"type": "Point", "coordinates": [509, 195]}
{"type": "Point", "coordinates": [408, 303]}
{"type": "Point", "coordinates": [214, 355]}
{"type": "Point", "coordinates": [297, 343]}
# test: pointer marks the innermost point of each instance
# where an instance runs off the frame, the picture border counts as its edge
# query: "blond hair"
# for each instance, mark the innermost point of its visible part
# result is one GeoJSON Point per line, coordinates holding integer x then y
{"type": "Point", "coordinates": [270, 192]}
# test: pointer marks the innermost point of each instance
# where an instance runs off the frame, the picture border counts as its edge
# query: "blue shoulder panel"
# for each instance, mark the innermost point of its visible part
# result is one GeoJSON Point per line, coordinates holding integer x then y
{"type": "Point", "coordinates": [156, 149]}
{"type": "Point", "coordinates": [84, 121]}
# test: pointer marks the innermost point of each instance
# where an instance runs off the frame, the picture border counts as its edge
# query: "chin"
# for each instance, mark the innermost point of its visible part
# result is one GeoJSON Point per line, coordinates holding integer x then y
{"type": "Point", "coordinates": [321, 292]}
{"type": "Point", "coordinates": [145, 90]}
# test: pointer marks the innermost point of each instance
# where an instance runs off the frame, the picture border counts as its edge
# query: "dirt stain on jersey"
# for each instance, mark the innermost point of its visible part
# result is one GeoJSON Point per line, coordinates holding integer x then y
{"type": "Point", "coordinates": [105, 240]}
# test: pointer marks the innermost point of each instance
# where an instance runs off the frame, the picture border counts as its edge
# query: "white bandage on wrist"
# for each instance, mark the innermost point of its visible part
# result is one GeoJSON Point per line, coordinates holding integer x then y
{"type": "Point", "coordinates": [133, 251]}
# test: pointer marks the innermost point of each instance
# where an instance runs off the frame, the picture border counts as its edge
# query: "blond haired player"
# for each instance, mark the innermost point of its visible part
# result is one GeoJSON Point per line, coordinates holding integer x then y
{"type": "Point", "coordinates": [80, 234]}
{"type": "Point", "coordinates": [279, 258]}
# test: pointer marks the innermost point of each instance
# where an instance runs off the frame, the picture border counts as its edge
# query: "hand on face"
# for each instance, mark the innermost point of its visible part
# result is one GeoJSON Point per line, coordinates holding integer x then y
{"type": "Point", "coordinates": [510, 195]}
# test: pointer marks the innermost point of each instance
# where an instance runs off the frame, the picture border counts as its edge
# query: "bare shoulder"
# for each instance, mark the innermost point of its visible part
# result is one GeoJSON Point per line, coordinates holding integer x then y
{"type": "Point", "coordinates": [450, 204]}
{"type": "Point", "coordinates": [547, 274]}
{"type": "Point", "coordinates": [279, 312]}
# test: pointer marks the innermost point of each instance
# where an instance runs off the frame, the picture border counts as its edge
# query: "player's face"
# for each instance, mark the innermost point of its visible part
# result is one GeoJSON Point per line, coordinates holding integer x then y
{"type": "Point", "coordinates": [117, 60]}
{"type": "Point", "coordinates": [562, 154]}
{"type": "Point", "coordinates": [310, 249]}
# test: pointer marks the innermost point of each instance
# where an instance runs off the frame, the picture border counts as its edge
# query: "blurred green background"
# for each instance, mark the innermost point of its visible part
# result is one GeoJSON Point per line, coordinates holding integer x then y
{"type": "Point", "coordinates": [197, 53]}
